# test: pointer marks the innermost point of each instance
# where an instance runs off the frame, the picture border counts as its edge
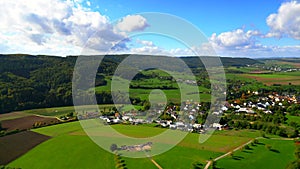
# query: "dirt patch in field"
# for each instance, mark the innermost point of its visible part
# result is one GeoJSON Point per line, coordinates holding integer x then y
{"type": "Point", "coordinates": [27, 122]}
{"type": "Point", "coordinates": [13, 146]}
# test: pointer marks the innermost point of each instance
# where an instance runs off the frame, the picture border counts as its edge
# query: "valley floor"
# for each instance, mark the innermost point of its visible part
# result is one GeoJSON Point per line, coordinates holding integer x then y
{"type": "Point", "coordinates": [70, 147]}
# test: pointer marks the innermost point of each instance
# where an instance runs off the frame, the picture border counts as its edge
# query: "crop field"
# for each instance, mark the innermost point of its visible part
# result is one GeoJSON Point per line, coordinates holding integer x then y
{"type": "Point", "coordinates": [284, 63]}
{"type": "Point", "coordinates": [70, 147]}
{"type": "Point", "coordinates": [13, 146]}
{"type": "Point", "coordinates": [242, 69]}
{"type": "Point", "coordinates": [27, 122]}
{"type": "Point", "coordinates": [283, 78]}
{"type": "Point", "coordinates": [258, 156]}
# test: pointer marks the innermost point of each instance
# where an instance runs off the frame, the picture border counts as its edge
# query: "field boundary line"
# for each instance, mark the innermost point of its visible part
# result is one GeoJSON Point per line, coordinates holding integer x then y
{"type": "Point", "coordinates": [154, 162]}
{"type": "Point", "coordinates": [226, 154]}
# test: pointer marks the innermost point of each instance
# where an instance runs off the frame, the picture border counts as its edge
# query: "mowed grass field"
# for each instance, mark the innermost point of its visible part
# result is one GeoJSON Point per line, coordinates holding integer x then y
{"type": "Point", "coordinates": [283, 78]}
{"type": "Point", "coordinates": [69, 147]}
{"type": "Point", "coordinates": [281, 153]}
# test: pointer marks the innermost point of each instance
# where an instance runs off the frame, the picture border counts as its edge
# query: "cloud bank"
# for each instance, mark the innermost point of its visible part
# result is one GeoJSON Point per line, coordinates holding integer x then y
{"type": "Point", "coordinates": [286, 22]}
{"type": "Point", "coordinates": [59, 27]}
{"type": "Point", "coordinates": [63, 27]}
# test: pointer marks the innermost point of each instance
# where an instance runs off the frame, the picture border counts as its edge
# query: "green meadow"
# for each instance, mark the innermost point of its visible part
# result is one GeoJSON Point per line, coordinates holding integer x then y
{"type": "Point", "coordinates": [187, 92]}
{"type": "Point", "coordinates": [70, 147]}
{"type": "Point", "coordinates": [258, 156]}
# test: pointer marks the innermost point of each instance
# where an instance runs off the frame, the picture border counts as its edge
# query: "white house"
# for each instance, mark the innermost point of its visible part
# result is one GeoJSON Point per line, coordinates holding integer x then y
{"type": "Point", "coordinates": [173, 126]}
{"type": "Point", "coordinates": [217, 125]}
{"type": "Point", "coordinates": [224, 108]}
{"type": "Point", "coordinates": [125, 118]}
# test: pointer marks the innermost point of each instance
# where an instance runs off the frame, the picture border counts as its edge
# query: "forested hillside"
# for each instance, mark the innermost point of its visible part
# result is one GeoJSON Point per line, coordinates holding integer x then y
{"type": "Point", "coordinates": [28, 81]}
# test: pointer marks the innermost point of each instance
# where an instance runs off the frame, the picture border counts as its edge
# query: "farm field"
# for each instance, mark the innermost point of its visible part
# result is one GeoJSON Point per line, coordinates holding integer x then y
{"type": "Point", "coordinates": [13, 146]}
{"type": "Point", "coordinates": [283, 78]}
{"type": "Point", "coordinates": [13, 115]}
{"type": "Point", "coordinates": [69, 147]}
{"type": "Point", "coordinates": [258, 156]}
{"type": "Point", "coordinates": [27, 122]}
{"type": "Point", "coordinates": [54, 111]}
{"type": "Point", "coordinates": [285, 63]}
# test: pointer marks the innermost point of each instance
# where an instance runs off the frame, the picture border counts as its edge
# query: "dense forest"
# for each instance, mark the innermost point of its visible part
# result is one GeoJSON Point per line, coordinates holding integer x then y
{"type": "Point", "coordinates": [28, 81]}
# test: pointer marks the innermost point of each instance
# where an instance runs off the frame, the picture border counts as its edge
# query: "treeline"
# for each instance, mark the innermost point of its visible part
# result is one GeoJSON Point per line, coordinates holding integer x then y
{"type": "Point", "coordinates": [269, 123]}
{"type": "Point", "coordinates": [296, 163]}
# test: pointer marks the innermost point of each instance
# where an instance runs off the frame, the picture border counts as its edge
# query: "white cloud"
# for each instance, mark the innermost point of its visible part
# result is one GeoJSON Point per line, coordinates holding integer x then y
{"type": "Point", "coordinates": [53, 26]}
{"type": "Point", "coordinates": [63, 27]}
{"type": "Point", "coordinates": [241, 43]}
{"type": "Point", "coordinates": [145, 42]}
{"type": "Point", "coordinates": [235, 39]}
{"type": "Point", "coordinates": [147, 50]}
{"type": "Point", "coordinates": [148, 47]}
{"type": "Point", "coordinates": [88, 3]}
{"type": "Point", "coordinates": [286, 21]}
{"type": "Point", "coordinates": [132, 23]}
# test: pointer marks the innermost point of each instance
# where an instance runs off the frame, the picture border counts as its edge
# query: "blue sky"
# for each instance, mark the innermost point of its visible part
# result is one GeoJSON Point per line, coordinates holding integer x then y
{"type": "Point", "coordinates": [214, 16]}
{"type": "Point", "coordinates": [233, 28]}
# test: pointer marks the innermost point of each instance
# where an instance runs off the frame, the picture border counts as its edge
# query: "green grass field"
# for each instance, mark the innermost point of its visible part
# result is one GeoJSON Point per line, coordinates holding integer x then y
{"type": "Point", "coordinates": [259, 156]}
{"type": "Point", "coordinates": [59, 111]}
{"type": "Point", "coordinates": [173, 95]}
{"type": "Point", "coordinates": [66, 151]}
{"type": "Point", "coordinates": [70, 147]}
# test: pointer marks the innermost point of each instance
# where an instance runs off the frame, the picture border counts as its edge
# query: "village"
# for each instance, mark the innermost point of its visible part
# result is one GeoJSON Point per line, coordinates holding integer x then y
{"type": "Point", "coordinates": [187, 117]}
